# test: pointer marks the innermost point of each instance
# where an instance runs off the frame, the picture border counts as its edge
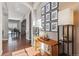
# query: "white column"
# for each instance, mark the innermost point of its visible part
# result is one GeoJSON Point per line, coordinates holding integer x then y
{"type": "Point", "coordinates": [33, 14]}
{"type": "Point", "coordinates": [5, 21]}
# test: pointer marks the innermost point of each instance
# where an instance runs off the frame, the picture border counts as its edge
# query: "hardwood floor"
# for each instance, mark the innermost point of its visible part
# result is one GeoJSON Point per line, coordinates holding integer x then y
{"type": "Point", "coordinates": [14, 44]}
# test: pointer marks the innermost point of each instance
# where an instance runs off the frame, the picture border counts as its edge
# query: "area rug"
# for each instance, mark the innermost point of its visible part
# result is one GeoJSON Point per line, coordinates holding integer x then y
{"type": "Point", "coordinates": [26, 52]}
{"type": "Point", "coordinates": [19, 53]}
{"type": "Point", "coordinates": [32, 52]}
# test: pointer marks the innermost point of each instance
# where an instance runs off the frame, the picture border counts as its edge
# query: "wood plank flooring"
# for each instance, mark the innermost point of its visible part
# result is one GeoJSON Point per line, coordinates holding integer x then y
{"type": "Point", "coordinates": [14, 44]}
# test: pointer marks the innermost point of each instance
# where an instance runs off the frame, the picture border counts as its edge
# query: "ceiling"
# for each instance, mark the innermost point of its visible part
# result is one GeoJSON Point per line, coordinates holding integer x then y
{"type": "Point", "coordinates": [18, 10]}
{"type": "Point", "coordinates": [72, 5]}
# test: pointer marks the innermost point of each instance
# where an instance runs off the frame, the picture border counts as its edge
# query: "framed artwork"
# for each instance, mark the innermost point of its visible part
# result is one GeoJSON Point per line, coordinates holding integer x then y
{"type": "Point", "coordinates": [54, 5]}
{"type": "Point", "coordinates": [43, 10]}
{"type": "Point", "coordinates": [48, 7]}
{"type": "Point", "coordinates": [42, 19]}
{"type": "Point", "coordinates": [54, 26]}
{"type": "Point", "coordinates": [42, 26]}
{"type": "Point", "coordinates": [54, 15]}
{"type": "Point", "coordinates": [47, 26]}
{"type": "Point", "coordinates": [48, 17]}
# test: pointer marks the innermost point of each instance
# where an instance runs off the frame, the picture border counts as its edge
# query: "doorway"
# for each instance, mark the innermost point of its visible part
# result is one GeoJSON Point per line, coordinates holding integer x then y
{"type": "Point", "coordinates": [23, 28]}
{"type": "Point", "coordinates": [16, 32]}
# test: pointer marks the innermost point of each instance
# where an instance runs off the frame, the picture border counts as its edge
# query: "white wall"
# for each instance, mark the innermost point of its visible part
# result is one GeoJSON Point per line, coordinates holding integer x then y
{"type": "Point", "coordinates": [27, 25]}
{"type": "Point", "coordinates": [5, 22]}
{"type": "Point", "coordinates": [0, 28]}
{"type": "Point", "coordinates": [14, 24]}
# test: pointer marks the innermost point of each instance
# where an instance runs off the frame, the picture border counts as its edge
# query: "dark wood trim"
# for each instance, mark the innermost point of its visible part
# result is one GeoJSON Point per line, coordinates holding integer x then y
{"type": "Point", "coordinates": [67, 40]}
{"type": "Point", "coordinates": [58, 34]}
{"type": "Point", "coordinates": [72, 40]}
{"type": "Point", "coordinates": [30, 27]}
{"type": "Point", "coordinates": [63, 39]}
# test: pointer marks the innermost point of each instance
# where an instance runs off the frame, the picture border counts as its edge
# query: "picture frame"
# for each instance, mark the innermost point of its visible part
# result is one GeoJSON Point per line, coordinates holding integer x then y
{"type": "Point", "coordinates": [43, 10]}
{"type": "Point", "coordinates": [54, 5]}
{"type": "Point", "coordinates": [47, 7]}
{"type": "Point", "coordinates": [47, 27]}
{"type": "Point", "coordinates": [42, 18]}
{"type": "Point", "coordinates": [48, 17]}
{"type": "Point", "coordinates": [54, 26]}
{"type": "Point", "coordinates": [42, 26]}
{"type": "Point", "coordinates": [54, 15]}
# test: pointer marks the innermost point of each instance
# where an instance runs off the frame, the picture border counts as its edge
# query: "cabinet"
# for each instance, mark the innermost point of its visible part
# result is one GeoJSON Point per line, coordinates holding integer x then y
{"type": "Point", "coordinates": [66, 40]}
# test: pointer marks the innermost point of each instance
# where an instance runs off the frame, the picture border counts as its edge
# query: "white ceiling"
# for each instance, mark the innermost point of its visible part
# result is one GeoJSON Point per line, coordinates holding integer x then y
{"type": "Point", "coordinates": [17, 10]}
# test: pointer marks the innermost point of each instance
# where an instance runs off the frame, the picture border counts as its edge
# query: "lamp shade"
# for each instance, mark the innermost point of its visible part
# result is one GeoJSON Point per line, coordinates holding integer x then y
{"type": "Point", "coordinates": [65, 17]}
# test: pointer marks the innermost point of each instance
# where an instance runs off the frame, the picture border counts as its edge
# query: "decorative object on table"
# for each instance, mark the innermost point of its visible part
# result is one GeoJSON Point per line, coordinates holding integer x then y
{"type": "Point", "coordinates": [54, 5]}
{"type": "Point", "coordinates": [44, 35]}
{"type": "Point", "coordinates": [47, 7]}
{"type": "Point", "coordinates": [54, 26]}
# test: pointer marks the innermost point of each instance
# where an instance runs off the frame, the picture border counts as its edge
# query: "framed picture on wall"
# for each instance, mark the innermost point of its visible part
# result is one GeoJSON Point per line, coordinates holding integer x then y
{"type": "Point", "coordinates": [54, 15]}
{"type": "Point", "coordinates": [42, 26]}
{"type": "Point", "coordinates": [42, 18]}
{"type": "Point", "coordinates": [43, 10]}
{"type": "Point", "coordinates": [54, 26]}
{"type": "Point", "coordinates": [47, 26]}
{"type": "Point", "coordinates": [48, 7]}
{"type": "Point", "coordinates": [48, 17]}
{"type": "Point", "coordinates": [54, 5]}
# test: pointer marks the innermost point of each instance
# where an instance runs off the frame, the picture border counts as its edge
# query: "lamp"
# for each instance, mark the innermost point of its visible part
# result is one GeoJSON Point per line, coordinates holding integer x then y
{"type": "Point", "coordinates": [65, 17]}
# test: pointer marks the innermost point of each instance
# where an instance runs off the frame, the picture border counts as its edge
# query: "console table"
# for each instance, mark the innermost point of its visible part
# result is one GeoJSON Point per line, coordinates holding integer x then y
{"type": "Point", "coordinates": [51, 46]}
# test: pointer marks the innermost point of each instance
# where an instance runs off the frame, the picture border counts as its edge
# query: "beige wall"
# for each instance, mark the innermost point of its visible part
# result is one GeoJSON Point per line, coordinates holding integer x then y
{"type": "Point", "coordinates": [76, 21]}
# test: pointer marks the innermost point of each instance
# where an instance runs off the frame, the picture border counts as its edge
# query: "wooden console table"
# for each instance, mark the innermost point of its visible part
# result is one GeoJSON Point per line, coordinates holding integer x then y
{"type": "Point", "coordinates": [53, 50]}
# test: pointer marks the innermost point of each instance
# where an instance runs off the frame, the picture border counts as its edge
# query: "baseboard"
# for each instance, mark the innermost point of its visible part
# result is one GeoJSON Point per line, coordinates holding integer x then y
{"type": "Point", "coordinates": [0, 52]}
